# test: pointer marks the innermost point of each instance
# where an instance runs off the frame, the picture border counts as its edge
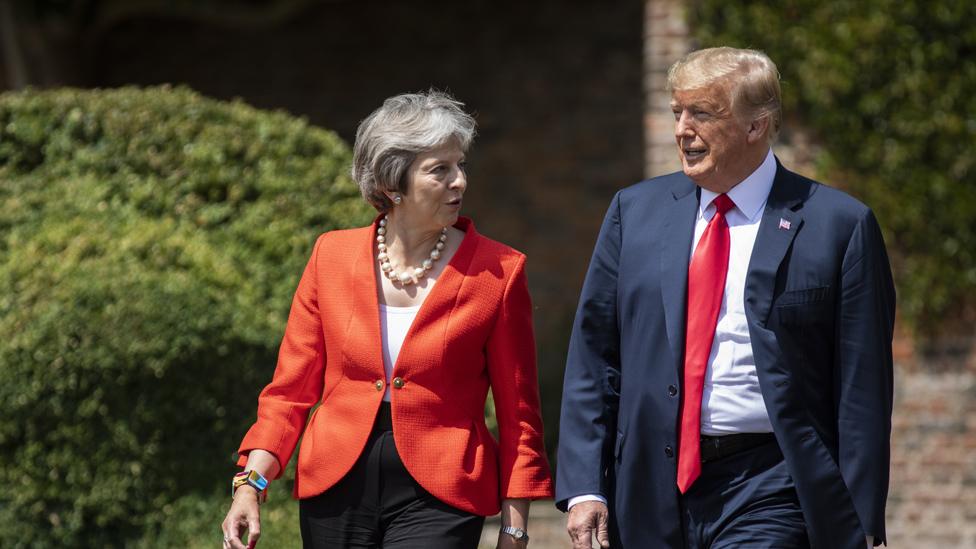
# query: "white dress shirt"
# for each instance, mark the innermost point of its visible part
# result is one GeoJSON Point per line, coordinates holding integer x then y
{"type": "Point", "coordinates": [731, 399]}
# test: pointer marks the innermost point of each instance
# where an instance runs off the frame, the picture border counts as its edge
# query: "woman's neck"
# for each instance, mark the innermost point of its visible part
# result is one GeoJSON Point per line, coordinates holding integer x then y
{"type": "Point", "coordinates": [409, 244]}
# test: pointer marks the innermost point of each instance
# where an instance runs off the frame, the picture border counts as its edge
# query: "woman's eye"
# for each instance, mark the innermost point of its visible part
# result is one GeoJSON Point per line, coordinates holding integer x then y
{"type": "Point", "coordinates": [463, 165]}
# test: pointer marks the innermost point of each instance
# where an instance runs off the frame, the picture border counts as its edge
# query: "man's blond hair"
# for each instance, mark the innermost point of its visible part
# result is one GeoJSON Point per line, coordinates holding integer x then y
{"type": "Point", "coordinates": [750, 76]}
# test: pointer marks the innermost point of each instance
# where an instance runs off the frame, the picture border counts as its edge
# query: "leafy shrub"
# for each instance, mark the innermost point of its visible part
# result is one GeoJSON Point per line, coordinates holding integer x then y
{"type": "Point", "coordinates": [889, 86]}
{"type": "Point", "coordinates": [150, 241]}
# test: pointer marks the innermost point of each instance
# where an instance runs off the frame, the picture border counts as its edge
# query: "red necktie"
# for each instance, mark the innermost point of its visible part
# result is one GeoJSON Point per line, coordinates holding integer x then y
{"type": "Point", "coordinates": [706, 285]}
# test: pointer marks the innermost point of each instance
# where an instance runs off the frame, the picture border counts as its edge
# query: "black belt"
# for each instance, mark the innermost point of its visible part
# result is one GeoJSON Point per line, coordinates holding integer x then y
{"type": "Point", "coordinates": [713, 448]}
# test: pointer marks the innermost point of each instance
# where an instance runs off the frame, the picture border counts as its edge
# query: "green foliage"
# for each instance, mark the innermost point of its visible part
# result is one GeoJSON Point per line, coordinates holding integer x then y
{"type": "Point", "coordinates": [889, 86]}
{"type": "Point", "coordinates": [150, 241]}
{"type": "Point", "coordinates": [193, 521]}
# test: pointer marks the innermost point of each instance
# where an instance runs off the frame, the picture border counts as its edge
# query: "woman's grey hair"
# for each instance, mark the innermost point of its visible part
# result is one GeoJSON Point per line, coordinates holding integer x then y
{"type": "Point", "coordinates": [390, 138]}
{"type": "Point", "coordinates": [751, 74]}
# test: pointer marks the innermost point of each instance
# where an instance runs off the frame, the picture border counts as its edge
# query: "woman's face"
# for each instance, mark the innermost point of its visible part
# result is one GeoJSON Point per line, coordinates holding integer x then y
{"type": "Point", "coordinates": [436, 181]}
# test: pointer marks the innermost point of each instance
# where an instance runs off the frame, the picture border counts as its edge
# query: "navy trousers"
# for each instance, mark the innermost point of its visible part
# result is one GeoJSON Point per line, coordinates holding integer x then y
{"type": "Point", "coordinates": [746, 499]}
{"type": "Point", "coordinates": [378, 505]}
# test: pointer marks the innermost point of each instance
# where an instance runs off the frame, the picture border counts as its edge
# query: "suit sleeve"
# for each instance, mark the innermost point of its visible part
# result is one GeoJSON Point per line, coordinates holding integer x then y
{"type": "Point", "coordinates": [865, 326]}
{"type": "Point", "coordinates": [591, 384]}
{"type": "Point", "coordinates": [283, 405]}
{"type": "Point", "coordinates": [523, 466]}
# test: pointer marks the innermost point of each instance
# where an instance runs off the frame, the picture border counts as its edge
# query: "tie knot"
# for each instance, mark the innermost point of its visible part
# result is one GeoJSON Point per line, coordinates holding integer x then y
{"type": "Point", "coordinates": [723, 204]}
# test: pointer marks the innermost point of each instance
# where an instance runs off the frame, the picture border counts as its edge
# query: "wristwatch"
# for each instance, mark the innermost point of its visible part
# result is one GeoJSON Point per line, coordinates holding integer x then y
{"type": "Point", "coordinates": [251, 478]}
{"type": "Point", "coordinates": [517, 533]}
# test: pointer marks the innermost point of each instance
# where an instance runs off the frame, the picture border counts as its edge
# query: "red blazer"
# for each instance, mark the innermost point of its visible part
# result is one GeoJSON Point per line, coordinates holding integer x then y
{"type": "Point", "coordinates": [474, 330]}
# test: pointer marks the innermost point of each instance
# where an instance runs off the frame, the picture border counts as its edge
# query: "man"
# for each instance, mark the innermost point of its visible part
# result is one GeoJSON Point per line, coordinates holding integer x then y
{"type": "Point", "coordinates": [729, 379]}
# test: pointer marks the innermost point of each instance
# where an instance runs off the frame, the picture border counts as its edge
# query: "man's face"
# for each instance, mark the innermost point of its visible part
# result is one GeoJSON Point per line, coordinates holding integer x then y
{"type": "Point", "coordinates": [712, 141]}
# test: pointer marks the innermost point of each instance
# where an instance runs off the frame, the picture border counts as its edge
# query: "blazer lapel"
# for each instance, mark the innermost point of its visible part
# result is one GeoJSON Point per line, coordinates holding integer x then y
{"type": "Point", "coordinates": [779, 226]}
{"type": "Point", "coordinates": [363, 345]}
{"type": "Point", "coordinates": [423, 345]}
{"type": "Point", "coordinates": [676, 239]}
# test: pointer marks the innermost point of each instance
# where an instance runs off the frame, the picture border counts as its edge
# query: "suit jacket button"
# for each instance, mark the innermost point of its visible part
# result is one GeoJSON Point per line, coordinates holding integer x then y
{"type": "Point", "coordinates": [669, 451]}
{"type": "Point", "coordinates": [398, 383]}
{"type": "Point", "coordinates": [378, 384]}
{"type": "Point", "coordinates": [672, 390]}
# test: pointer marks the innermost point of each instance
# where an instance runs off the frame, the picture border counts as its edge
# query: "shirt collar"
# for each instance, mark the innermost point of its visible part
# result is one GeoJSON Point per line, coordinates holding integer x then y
{"type": "Point", "coordinates": [750, 194]}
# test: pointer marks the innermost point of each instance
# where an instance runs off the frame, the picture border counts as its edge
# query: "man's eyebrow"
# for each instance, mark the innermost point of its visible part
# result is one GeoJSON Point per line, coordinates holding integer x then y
{"type": "Point", "coordinates": [701, 104]}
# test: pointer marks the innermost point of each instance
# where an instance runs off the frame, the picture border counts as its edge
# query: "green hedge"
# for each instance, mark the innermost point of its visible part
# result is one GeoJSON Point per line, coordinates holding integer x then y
{"type": "Point", "coordinates": [150, 242]}
{"type": "Point", "coordinates": [889, 86]}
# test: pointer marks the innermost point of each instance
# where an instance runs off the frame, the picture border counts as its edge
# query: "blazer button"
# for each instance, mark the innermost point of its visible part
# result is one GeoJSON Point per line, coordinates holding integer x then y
{"type": "Point", "coordinates": [398, 383]}
{"type": "Point", "coordinates": [672, 390]}
{"type": "Point", "coordinates": [378, 384]}
{"type": "Point", "coordinates": [669, 451]}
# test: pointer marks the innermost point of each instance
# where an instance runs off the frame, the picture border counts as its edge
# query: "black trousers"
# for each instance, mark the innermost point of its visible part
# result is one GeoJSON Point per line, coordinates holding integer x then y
{"type": "Point", "coordinates": [379, 505]}
{"type": "Point", "coordinates": [746, 499]}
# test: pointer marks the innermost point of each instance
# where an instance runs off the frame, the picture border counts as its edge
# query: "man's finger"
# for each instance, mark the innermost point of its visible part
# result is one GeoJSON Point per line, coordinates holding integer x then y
{"type": "Point", "coordinates": [582, 537]}
{"type": "Point", "coordinates": [603, 530]}
{"type": "Point", "coordinates": [581, 531]}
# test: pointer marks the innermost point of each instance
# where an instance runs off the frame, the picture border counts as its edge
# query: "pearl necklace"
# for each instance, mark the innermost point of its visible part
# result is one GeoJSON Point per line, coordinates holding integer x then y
{"type": "Point", "coordinates": [405, 278]}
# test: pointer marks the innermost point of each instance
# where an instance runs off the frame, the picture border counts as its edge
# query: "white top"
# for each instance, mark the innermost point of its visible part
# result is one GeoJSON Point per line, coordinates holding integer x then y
{"type": "Point", "coordinates": [731, 399]}
{"type": "Point", "coordinates": [394, 324]}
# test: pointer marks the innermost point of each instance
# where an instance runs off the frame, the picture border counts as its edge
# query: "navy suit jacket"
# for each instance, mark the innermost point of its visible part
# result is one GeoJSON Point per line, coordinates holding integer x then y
{"type": "Point", "coordinates": [820, 306]}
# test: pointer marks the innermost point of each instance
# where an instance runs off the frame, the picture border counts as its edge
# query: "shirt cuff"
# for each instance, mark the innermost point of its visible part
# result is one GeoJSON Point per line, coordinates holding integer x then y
{"type": "Point", "coordinates": [585, 497]}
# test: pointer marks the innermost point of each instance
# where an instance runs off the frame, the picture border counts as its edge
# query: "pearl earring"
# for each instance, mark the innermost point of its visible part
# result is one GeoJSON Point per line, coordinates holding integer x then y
{"type": "Point", "coordinates": [397, 199]}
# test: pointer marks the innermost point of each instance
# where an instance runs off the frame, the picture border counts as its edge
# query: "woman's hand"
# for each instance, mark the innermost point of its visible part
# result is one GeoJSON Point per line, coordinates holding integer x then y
{"type": "Point", "coordinates": [244, 515]}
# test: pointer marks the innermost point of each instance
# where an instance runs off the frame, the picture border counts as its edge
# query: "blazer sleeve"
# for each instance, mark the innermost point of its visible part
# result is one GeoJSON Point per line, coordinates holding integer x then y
{"type": "Point", "coordinates": [510, 352]}
{"type": "Point", "coordinates": [865, 325]}
{"type": "Point", "coordinates": [591, 396]}
{"type": "Point", "coordinates": [283, 405]}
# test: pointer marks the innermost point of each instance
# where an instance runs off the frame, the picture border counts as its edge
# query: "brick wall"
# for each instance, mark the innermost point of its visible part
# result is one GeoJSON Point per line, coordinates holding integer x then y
{"type": "Point", "coordinates": [665, 40]}
{"type": "Point", "coordinates": [933, 470]}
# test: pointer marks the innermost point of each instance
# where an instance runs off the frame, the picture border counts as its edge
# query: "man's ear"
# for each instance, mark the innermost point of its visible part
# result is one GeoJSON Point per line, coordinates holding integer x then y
{"type": "Point", "coordinates": [758, 129]}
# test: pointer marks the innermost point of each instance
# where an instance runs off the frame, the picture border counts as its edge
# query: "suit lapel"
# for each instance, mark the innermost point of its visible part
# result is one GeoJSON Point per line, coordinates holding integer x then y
{"type": "Point", "coordinates": [779, 226]}
{"type": "Point", "coordinates": [679, 229]}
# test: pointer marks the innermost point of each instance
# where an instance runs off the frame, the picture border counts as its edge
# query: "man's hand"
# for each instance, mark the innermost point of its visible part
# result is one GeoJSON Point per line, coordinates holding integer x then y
{"type": "Point", "coordinates": [585, 519]}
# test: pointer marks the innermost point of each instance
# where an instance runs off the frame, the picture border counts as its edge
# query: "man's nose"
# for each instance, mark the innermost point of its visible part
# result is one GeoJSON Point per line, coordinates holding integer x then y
{"type": "Point", "coordinates": [682, 125]}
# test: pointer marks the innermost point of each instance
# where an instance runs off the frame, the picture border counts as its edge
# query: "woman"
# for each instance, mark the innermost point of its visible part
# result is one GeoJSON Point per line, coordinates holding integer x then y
{"type": "Point", "coordinates": [398, 330]}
